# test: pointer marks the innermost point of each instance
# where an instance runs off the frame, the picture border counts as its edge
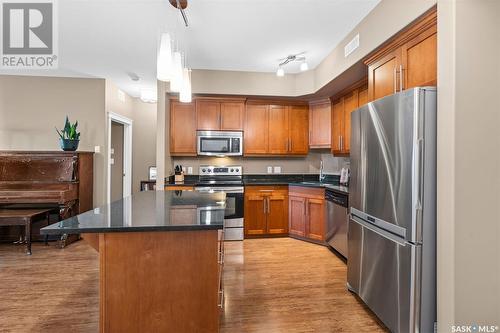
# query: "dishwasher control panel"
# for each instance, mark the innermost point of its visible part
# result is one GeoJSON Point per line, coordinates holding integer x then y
{"type": "Point", "coordinates": [338, 198]}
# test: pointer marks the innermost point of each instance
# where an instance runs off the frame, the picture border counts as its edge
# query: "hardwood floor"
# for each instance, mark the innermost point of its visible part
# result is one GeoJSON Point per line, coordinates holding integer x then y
{"type": "Point", "coordinates": [288, 285]}
{"type": "Point", "coordinates": [271, 285]}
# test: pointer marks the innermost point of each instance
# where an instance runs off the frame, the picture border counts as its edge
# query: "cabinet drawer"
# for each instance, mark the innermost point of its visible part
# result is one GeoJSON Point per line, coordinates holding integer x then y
{"type": "Point", "coordinates": [263, 189]}
{"type": "Point", "coordinates": [307, 192]}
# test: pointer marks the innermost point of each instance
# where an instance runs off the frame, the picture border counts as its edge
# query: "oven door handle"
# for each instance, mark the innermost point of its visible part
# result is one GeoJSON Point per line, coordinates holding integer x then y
{"type": "Point", "coordinates": [220, 189]}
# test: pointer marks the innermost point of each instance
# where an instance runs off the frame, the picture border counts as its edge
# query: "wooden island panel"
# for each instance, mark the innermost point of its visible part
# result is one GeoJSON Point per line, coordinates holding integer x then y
{"type": "Point", "coordinates": [159, 281]}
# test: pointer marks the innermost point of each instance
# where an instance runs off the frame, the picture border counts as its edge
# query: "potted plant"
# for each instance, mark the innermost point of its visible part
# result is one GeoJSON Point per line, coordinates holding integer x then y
{"type": "Point", "coordinates": [69, 137]}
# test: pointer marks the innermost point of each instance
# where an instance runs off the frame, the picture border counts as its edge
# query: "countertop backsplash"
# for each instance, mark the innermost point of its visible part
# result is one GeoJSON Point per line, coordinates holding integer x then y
{"type": "Point", "coordinates": [258, 165]}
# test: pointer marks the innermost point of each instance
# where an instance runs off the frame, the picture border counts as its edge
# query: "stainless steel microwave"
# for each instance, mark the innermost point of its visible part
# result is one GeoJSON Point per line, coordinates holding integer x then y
{"type": "Point", "coordinates": [220, 143]}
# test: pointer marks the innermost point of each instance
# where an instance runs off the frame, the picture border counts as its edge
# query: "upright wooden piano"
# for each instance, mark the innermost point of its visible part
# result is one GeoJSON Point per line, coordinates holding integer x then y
{"type": "Point", "coordinates": [40, 179]}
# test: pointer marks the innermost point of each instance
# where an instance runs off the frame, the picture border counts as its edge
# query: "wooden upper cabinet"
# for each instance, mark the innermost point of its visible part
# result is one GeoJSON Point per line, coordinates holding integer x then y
{"type": "Point", "coordinates": [298, 117]}
{"type": "Point", "coordinates": [362, 96]}
{"type": "Point", "coordinates": [406, 61]}
{"type": "Point", "coordinates": [255, 138]}
{"type": "Point", "coordinates": [383, 75]}
{"type": "Point", "coordinates": [278, 130]}
{"type": "Point", "coordinates": [320, 125]}
{"type": "Point", "coordinates": [343, 105]}
{"type": "Point", "coordinates": [219, 115]}
{"type": "Point", "coordinates": [350, 104]}
{"type": "Point", "coordinates": [337, 125]}
{"type": "Point", "coordinates": [231, 116]}
{"type": "Point", "coordinates": [420, 61]}
{"type": "Point", "coordinates": [182, 129]}
{"type": "Point", "coordinates": [208, 115]}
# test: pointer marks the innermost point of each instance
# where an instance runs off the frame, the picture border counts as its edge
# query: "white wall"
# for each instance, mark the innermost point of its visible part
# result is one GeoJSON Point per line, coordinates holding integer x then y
{"type": "Point", "coordinates": [468, 163]}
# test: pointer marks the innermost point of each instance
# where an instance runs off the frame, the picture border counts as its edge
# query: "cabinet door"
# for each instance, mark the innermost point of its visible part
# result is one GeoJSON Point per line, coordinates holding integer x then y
{"type": "Point", "coordinates": [419, 58]}
{"type": "Point", "coordinates": [297, 215]}
{"type": "Point", "coordinates": [255, 214]}
{"type": "Point", "coordinates": [231, 116]}
{"type": "Point", "coordinates": [315, 216]}
{"type": "Point", "coordinates": [383, 75]}
{"type": "Point", "coordinates": [363, 96]}
{"type": "Point", "coordinates": [298, 117]}
{"type": "Point", "coordinates": [320, 122]}
{"type": "Point", "coordinates": [256, 130]}
{"type": "Point", "coordinates": [182, 129]}
{"type": "Point", "coordinates": [277, 214]}
{"type": "Point", "coordinates": [278, 129]}
{"type": "Point", "coordinates": [350, 104]}
{"type": "Point", "coordinates": [208, 115]}
{"type": "Point", "coordinates": [337, 125]}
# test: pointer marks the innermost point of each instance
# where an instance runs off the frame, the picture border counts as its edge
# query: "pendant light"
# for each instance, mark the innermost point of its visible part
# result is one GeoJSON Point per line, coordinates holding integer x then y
{"type": "Point", "coordinates": [164, 61]}
{"type": "Point", "coordinates": [185, 95]}
{"type": "Point", "coordinates": [177, 73]}
{"type": "Point", "coordinates": [280, 72]}
{"type": "Point", "coordinates": [149, 95]}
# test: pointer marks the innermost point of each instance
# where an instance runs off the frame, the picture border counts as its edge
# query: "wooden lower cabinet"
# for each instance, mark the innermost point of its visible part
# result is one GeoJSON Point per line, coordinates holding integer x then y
{"type": "Point", "coordinates": [307, 213]}
{"type": "Point", "coordinates": [266, 211]}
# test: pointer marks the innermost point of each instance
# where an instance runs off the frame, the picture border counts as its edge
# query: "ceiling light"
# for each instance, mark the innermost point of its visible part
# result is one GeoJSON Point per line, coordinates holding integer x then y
{"type": "Point", "coordinates": [185, 95]}
{"type": "Point", "coordinates": [303, 66]}
{"type": "Point", "coordinates": [177, 74]}
{"type": "Point", "coordinates": [280, 72]}
{"type": "Point", "coordinates": [164, 61]}
{"type": "Point", "coordinates": [149, 95]}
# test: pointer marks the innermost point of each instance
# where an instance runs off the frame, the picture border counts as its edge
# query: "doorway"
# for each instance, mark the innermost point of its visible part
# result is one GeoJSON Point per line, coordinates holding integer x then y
{"type": "Point", "coordinates": [119, 157]}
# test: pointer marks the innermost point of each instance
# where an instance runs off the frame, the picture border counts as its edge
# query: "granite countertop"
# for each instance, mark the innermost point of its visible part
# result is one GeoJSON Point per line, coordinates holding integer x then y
{"type": "Point", "coordinates": [149, 211]}
{"type": "Point", "coordinates": [331, 182]}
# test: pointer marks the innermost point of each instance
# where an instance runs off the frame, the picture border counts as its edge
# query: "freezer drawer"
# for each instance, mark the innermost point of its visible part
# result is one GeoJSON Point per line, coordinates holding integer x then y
{"type": "Point", "coordinates": [382, 270]}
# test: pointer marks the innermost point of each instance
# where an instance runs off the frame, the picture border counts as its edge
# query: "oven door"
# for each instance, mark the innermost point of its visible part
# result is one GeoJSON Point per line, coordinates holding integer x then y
{"type": "Point", "coordinates": [234, 200]}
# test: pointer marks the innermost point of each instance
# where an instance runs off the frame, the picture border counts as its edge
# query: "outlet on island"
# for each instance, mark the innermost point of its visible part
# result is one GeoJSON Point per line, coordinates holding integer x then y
{"type": "Point", "coordinates": [269, 169]}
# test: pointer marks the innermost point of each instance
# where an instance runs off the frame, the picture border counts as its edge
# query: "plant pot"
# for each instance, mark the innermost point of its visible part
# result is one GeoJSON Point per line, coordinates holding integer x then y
{"type": "Point", "coordinates": [68, 144]}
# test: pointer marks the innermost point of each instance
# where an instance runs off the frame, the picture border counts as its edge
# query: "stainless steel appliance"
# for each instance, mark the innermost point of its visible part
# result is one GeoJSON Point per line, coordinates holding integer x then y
{"type": "Point", "coordinates": [392, 227]}
{"type": "Point", "coordinates": [226, 179]}
{"type": "Point", "coordinates": [337, 220]}
{"type": "Point", "coordinates": [219, 143]}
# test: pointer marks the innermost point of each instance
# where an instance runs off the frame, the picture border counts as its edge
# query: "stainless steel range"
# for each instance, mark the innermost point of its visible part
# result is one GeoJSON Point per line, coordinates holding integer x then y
{"type": "Point", "coordinates": [226, 179]}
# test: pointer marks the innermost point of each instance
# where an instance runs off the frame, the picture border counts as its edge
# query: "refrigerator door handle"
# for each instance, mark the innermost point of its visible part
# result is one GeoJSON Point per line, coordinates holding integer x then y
{"type": "Point", "coordinates": [380, 232]}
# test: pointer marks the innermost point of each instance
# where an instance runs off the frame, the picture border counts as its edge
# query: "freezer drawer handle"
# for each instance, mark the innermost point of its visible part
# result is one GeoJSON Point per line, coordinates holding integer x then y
{"type": "Point", "coordinates": [380, 232]}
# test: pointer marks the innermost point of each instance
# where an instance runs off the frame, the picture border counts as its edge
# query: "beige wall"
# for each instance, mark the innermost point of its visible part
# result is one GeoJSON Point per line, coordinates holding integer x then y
{"type": "Point", "coordinates": [468, 163]}
{"type": "Point", "coordinates": [31, 106]}
{"type": "Point", "coordinates": [389, 16]}
{"type": "Point", "coordinates": [143, 116]}
{"type": "Point", "coordinates": [258, 165]}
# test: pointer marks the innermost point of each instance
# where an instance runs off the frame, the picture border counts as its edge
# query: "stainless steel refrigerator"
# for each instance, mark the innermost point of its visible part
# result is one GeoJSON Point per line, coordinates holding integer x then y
{"type": "Point", "coordinates": [392, 196]}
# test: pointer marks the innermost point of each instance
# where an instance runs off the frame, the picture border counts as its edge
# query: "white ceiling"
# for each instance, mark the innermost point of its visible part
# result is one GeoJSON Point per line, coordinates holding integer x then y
{"type": "Point", "coordinates": [109, 38]}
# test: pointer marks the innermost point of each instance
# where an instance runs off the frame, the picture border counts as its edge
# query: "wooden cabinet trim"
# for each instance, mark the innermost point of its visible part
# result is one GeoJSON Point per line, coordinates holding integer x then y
{"type": "Point", "coordinates": [422, 23]}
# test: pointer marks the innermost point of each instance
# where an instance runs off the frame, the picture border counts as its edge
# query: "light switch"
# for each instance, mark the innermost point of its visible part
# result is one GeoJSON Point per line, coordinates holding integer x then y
{"type": "Point", "coordinates": [277, 169]}
{"type": "Point", "coordinates": [269, 169]}
{"type": "Point", "coordinates": [97, 149]}
{"type": "Point", "coordinates": [111, 161]}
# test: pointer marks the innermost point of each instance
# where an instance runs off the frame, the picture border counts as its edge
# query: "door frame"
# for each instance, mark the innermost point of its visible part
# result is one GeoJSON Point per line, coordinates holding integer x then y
{"type": "Point", "coordinates": [127, 153]}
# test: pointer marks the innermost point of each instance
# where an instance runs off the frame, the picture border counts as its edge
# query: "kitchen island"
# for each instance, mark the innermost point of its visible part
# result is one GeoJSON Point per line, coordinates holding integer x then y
{"type": "Point", "coordinates": [159, 256]}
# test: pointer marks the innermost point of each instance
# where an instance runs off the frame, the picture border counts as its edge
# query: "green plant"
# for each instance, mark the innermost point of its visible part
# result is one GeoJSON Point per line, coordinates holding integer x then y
{"type": "Point", "coordinates": [69, 131]}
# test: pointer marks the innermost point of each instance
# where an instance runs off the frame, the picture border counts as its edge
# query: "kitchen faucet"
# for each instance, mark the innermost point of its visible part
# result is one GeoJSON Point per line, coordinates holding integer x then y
{"type": "Point", "coordinates": [321, 175]}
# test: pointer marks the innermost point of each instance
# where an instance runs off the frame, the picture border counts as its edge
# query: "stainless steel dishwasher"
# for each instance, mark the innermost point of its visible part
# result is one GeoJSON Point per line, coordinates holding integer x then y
{"type": "Point", "coordinates": [337, 207]}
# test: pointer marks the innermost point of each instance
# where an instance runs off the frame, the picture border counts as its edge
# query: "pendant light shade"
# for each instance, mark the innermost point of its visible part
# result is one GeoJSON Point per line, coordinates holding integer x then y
{"type": "Point", "coordinates": [185, 95]}
{"type": "Point", "coordinates": [164, 61]}
{"type": "Point", "coordinates": [149, 95]}
{"type": "Point", "coordinates": [280, 72]}
{"type": "Point", "coordinates": [177, 73]}
{"type": "Point", "coordinates": [304, 66]}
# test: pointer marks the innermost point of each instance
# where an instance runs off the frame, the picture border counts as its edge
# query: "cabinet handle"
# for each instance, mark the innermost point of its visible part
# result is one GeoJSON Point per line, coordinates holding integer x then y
{"type": "Point", "coordinates": [395, 80]}
{"type": "Point", "coordinates": [401, 77]}
{"type": "Point", "coordinates": [340, 142]}
{"type": "Point", "coordinates": [265, 203]}
{"type": "Point", "coordinates": [291, 145]}
{"type": "Point", "coordinates": [220, 120]}
{"type": "Point", "coordinates": [268, 205]}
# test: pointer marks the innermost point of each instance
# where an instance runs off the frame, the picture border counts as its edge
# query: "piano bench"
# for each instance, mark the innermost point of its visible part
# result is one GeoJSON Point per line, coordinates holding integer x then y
{"type": "Point", "coordinates": [24, 217]}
